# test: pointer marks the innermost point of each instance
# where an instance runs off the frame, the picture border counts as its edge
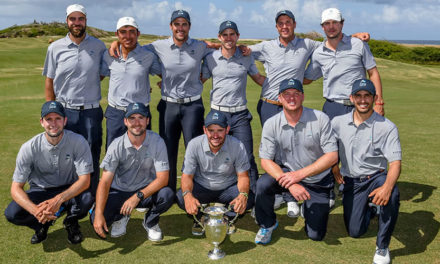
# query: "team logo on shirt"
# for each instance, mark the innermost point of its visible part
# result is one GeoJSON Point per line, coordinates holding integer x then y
{"type": "Point", "coordinates": [67, 156]}
{"type": "Point", "coordinates": [227, 160]}
{"type": "Point", "coordinates": [192, 52]}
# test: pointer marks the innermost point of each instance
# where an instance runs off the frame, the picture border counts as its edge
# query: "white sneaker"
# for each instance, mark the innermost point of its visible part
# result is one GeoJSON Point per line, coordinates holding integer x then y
{"type": "Point", "coordinates": [154, 233]}
{"type": "Point", "coordinates": [302, 210]}
{"type": "Point", "coordinates": [119, 228]}
{"type": "Point", "coordinates": [292, 209]}
{"type": "Point", "coordinates": [331, 203]}
{"type": "Point", "coordinates": [264, 235]}
{"type": "Point", "coordinates": [278, 201]}
{"type": "Point", "coordinates": [382, 256]}
{"type": "Point", "coordinates": [375, 208]}
{"type": "Point", "coordinates": [141, 210]}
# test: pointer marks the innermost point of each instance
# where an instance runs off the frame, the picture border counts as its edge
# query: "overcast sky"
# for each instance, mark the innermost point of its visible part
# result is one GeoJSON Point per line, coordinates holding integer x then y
{"type": "Point", "coordinates": [384, 19]}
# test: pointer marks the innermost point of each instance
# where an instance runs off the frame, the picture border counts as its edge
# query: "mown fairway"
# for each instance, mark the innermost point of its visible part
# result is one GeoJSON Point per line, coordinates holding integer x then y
{"type": "Point", "coordinates": [412, 103]}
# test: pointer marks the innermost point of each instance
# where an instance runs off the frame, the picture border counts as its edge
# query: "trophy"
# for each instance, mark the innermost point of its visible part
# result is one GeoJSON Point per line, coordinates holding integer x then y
{"type": "Point", "coordinates": [215, 226]}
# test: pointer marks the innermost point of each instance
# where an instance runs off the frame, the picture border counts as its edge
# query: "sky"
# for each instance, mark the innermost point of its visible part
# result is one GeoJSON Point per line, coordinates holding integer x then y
{"type": "Point", "coordinates": [383, 19]}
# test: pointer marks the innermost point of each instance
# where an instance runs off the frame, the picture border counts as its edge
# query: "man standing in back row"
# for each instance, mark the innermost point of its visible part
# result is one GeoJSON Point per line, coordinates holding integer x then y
{"type": "Point", "coordinates": [341, 60]}
{"type": "Point", "coordinates": [229, 70]}
{"type": "Point", "coordinates": [72, 69]}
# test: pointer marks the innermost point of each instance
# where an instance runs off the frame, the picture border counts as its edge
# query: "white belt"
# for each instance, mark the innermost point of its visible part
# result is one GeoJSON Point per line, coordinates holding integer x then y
{"type": "Point", "coordinates": [80, 107]}
{"type": "Point", "coordinates": [181, 100]}
{"type": "Point", "coordinates": [122, 108]}
{"type": "Point", "coordinates": [229, 109]}
{"type": "Point", "coordinates": [346, 102]}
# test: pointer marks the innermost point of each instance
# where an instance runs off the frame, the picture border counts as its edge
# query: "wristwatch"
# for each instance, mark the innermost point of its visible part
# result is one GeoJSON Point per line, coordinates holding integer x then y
{"type": "Point", "coordinates": [140, 195]}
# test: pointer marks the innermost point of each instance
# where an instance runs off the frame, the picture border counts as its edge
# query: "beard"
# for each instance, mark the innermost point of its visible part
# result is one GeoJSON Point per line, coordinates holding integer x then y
{"type": "Point", "coordinates": [54, 135]}
{"type": "Point", "coordinates": [77, 32]}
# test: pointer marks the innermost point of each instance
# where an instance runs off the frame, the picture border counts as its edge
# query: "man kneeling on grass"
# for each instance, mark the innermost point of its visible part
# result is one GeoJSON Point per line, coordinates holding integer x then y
{"type": "Point", "coordinates": [215, 170]}
{"type": "Point", "coordinates": [57, 165]}
{"type": "Point", "coordinates": [135, 175]}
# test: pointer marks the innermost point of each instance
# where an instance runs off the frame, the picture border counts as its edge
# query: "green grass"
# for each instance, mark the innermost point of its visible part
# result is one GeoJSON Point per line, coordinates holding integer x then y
{"type": "Point", "coordinates": [412, 103]}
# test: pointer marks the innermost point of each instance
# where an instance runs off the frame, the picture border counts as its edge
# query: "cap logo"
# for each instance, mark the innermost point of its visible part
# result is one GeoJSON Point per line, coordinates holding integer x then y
{"type": "Point", "coordinates": [291, 82]}
{"type": "Point", "coordinates": [180, 12]}
{"type": "Point", "coordinates": [135, 106]}
{"type": "Point", "coordinates": [215, 116]}
{"type": "Point", "coordinates": [52, 105]}
{"type": "Point", "coordinates": [362, 83]}
{"type": "Point", "coordinates": [228, 24]}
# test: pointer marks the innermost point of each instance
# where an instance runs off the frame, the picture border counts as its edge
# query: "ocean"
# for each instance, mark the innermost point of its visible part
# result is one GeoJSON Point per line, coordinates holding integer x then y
{"type": "Point", "coordinates": [420, 42]}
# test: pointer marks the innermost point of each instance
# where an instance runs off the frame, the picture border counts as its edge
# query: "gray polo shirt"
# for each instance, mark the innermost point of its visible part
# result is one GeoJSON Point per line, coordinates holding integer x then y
{"type": "Point", "coordinates": [135, 168]}
{"type": "Point", "coordinates": [181, 66]}
{"type": "Point", "coordinates": [44, 165]}
{"type": "Point", "coordinates": [129, 80]}
{"type": "Point", "coordinates": [75, 70]}
{"type": "Point", "coordinates": [366, 149]}
{"type": "Point", "coordinates": [282, 62]}
{"type": "Point", "coordinates": [215, 171]}
{"type": "Point", "coordinates": [299, 146]}
{"type": "Point", "coordinates": [229, 77]}
{"type": "Point", "coordinates": [340, 68]}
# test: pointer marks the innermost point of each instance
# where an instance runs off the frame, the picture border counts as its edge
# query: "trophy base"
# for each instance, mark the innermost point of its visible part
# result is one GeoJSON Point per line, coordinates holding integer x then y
{"type": "Point", "coordinates": [216, 254]}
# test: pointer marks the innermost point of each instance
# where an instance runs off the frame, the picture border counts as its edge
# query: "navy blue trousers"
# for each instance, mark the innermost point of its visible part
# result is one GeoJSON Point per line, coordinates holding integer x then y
{"type": "Point", "coordinates": [174, 119]}
{"type": "Point", "coordinates": [333, 109]}
{"type": "Point", "coordinates": [88, 123]}
{"type": "Point", "coordinates": [115, 126]}
{"type": "Point", "coordinates": [157, 204]}
{"type": "Point", "coordinates": [357, 213]}
{"type": "Point", "coordinates": [316, 210]}
{"type": "Point", "coordinates": [267, 110]}
{"type": "Point", "coordinates": [206, 196]}
{"type": "Point", "coordinates": [240, 123]}
{"type": "Point", "coordinates": [76, 208]}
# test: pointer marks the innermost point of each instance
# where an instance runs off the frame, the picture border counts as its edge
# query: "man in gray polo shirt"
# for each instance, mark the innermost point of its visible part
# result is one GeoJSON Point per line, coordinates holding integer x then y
{"type": "Point", "coordinates": [135, 174]}
{"type": "Point", "coordinates": [215, 170]}
{"type": "Point", "coordinates": [129, 82]}
{"type": "Point", "coordinates": [341, 60]}
{"type": "Point", "coordinates": [229, 70]}
{"type": "Point", "coordinates": [297, 151]}
{"type": "Point", "coordinates": [72, 68]}
{"type": "Point", "coordinates": [181, 107]}
{"type": "Point", "coordinates": [57, 165]}
{"type": "Point", "coordinates": [368, 144]}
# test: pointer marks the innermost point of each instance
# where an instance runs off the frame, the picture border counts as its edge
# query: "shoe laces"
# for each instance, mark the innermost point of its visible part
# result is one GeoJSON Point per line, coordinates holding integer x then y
{"type": "Point", "coordinates": [381, 251]}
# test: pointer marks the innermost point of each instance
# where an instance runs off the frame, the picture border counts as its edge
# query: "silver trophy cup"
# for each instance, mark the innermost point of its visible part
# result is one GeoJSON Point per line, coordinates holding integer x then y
{"type": "Point", "coordinates": [215, 226]}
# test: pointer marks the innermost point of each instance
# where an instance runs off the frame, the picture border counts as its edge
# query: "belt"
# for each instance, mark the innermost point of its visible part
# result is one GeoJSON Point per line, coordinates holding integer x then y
{"type": "Point", "coordinates": [181, 100]}
{"type": "Point", "coordinates": [363, 178]}
{"type": "Point", "coordinates": [270, 101]}
{"type": "Point", "coordinates": [229, 109]}
{"type": "Point", "coordinates": [345, 102]}
{"type": "Point", "coordinates": [122, 108]}
{"type": "Point", "coordinates": [80, 107]}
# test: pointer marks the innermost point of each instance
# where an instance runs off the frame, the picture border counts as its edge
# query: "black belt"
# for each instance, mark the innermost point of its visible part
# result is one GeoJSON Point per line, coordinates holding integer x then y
{"type": "Point", "coordinates": [362, 178]}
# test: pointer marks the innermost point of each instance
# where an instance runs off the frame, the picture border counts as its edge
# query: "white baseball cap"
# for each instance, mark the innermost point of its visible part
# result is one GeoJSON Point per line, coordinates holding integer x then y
{"type": "Point", "coordinates": [75, 8]}
{"type": "Point", "coordinates": [126, 21]}
{"type": "Point", "coordinates": [331, 14]}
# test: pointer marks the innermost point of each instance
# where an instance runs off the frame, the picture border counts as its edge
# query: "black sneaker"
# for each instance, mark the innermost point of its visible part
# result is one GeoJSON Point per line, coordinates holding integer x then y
{"type": "Point", "coordinates": [74, 235]}
{"type": "Point", "coordinates": [40, 235]}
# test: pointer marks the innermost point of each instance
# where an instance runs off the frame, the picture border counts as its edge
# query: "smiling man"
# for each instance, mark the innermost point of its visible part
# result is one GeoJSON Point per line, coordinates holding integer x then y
{"type": "Point", "coordinates": [229, 70]}
{"type": "Point", "coordinates": [135, 174]}
{"type": "Point", "coordinates": [215, 169]}
{"type": "Point", "coordinates": [129, 76]}
{"type": "Point", "coordinates": [72, 70]}
{"type": "Point", "coordinates": [57, 165]}
{"type": "Point", "coordinates": [297, 150]}
{"type": "Point", "coordinates": [368, 145]}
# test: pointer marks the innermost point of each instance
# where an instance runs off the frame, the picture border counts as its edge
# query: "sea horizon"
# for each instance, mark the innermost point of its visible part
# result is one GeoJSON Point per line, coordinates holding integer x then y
{"type": "Point", "coordinates": [419, 42]}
